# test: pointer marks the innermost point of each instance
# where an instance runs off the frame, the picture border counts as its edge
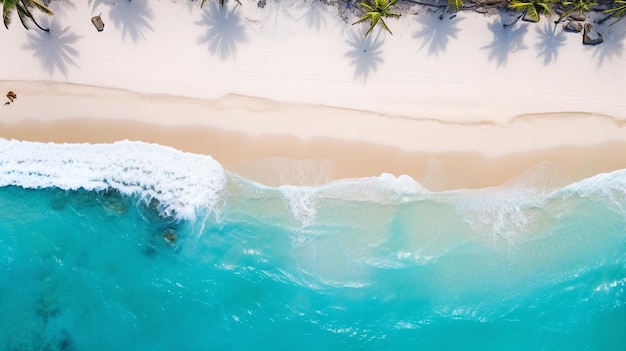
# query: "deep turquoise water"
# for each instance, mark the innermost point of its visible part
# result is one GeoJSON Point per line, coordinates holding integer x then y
{"type": "Point", "coordinates": [364, 264]}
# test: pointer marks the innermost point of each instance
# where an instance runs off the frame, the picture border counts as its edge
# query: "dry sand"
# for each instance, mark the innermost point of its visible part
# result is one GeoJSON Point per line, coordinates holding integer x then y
{"type": "Point", "coordinates": [292, 94]}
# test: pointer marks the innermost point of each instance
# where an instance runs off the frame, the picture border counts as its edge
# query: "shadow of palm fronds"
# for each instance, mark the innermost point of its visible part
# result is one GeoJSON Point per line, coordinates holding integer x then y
{"type": "Point", "coordinates": [54, 49]}
{"type": "Point", "coordinates": [224, 30]}
{"type": "Point", "coordinates": [365, 53]}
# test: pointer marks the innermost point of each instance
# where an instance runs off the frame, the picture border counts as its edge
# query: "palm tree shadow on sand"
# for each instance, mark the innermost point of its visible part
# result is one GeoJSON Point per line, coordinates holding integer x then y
{"type": "Point", "coordinates": [131, 17]}
{"type": "Point", "coordinates": [550, 40]}
{"type": "Point", "coordinates": [614, 34]}
{"type": "Point", "coordinates": [365, 53]}
{"type": "Point", "coordinates": [436, 33]}
{"type": "Point", "coordinates": [54, 49]}
{"type": "Point", "coordinates": [224, 30]}
{"type": "Point", "coordinates": [59, 7]}
{"type": "Point", "coordinates": [314, 15]}
{"type": "Point", "coordinates": [506, 40]}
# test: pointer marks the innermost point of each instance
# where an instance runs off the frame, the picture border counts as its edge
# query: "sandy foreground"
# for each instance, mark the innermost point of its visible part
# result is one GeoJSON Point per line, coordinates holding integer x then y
{"type": "Point", "coordinates": [292, 93]}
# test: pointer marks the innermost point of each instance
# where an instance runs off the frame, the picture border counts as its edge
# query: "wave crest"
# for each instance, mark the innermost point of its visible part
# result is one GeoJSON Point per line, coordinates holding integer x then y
{"type": "Point", "coordinates": [183, 183]}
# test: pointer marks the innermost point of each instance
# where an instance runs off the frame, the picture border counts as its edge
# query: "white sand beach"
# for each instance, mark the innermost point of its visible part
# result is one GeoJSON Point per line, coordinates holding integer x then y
{"type": "Point", "coordinates": [293, 87]}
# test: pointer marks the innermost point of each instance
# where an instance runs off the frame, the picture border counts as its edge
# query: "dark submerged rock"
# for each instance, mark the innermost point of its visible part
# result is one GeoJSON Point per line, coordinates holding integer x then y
{"type": "Point", "coordinates": [170, 237]}
{"type": "Point", "coordinates": [112, 202]}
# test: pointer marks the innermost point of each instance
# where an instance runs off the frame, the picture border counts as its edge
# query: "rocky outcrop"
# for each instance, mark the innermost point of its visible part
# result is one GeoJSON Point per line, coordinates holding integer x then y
{"type": "Point", "coordinates": [591, 36]}
{"type": "Point", "coordinates": [576, 16]}
{"type": "Point", "coordinates": [572, 26]}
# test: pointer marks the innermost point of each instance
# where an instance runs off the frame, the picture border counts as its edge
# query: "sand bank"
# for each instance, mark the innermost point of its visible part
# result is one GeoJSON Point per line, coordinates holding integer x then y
{"type": "Point", "coordinates": [280, 143]}
{"type": "Point", "coordinates": [459, 102]}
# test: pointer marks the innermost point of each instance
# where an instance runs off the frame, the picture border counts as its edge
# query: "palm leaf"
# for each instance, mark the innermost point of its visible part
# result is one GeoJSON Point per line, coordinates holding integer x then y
{"type": "Point", "coordinates": [518, 5]}
{"type": "Point", "coordinates": [385, 25]}
{"type": "Point", "coordinates": [375, 19]}
{"type": "Point", "coordinates": [7, 8]}
{"type": "Point", "coordinates": [546, 8]}
{"type": "Point", "coordinates": [370, 29]}
{"type": "Point", "coordinates": [376, 12]}
{"type": "Point", "coordinates": [367, 6]}
{"type": "Point", "coordinates": [365, 17]}
{"type": "Point", "coordinates": [456, 3]}
{"type": "Point", "coordinates": [532, 13]}
{"type": "Point", "coordinates": [42, 7]}
{"type": "Point", "coordinates": [619, 10]}
{"type": "Point", "coordinates": [23, 14]}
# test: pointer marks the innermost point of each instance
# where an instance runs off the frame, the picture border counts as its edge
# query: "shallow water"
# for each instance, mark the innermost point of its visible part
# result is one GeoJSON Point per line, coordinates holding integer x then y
{"type": "Point", "coordinates": [88, 260]}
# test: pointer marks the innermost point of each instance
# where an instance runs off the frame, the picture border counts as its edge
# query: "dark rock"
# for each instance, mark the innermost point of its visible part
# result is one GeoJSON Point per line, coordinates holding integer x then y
{"type": "Point", "coordinates": [572, 26]}
{"type": "Point", "coordinates": [170, 237]}
{"type": "Point", "coordinates": [576, 16]}
{"type": "Point", "coordinates": [97, 22]}
{"type": "Point", "coordinates": [261, 3]}
{"type": "Point", "coordinates": [11, 96]}
{"type": "Point", "coordinates": [491, 2]}
{"type": "Point", "coordinates": [591, 36]}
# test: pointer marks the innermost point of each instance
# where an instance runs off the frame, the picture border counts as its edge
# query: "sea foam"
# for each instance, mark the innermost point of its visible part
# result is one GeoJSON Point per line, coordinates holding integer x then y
{"type": "Point", "coordinates": [183, 183]}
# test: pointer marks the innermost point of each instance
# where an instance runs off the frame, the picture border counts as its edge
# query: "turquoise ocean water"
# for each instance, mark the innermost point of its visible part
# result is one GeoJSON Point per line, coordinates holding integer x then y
{"type": "Point", "coordinates": [132, 246]}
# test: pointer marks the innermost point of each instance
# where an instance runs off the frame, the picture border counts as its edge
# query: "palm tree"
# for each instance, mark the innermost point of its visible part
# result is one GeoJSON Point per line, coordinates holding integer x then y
{"type": "Point", "coordinates": [618, 10]}
{"type": "Point", "coordinates": [23, 8]}
{"type": "Point", "coordinates": [456, 3]}
{"type": "Point", "coordinates": [531, 8]}
{"type": "Point", "coordinates": [221, 2]}
{"type": "Point", "coordinates": [381, 8]}
{"type": "Point", "coordinates": [576, 5]}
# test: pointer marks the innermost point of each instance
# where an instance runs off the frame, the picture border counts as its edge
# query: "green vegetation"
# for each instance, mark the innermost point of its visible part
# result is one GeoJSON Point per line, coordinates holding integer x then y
{"type": "Point", "coordinates": [532, 8]}
{"type": "Point", "coordinates": [457, 4]}
{"type": "Point", "coordinates": [376, 11]}
{"type": "Point", "coordinates": [23, 8]}
{"type": "Point", "coordinates": [618, 9]}
{"type": "Point", "coordinates": [375, 14]}
{"type": "Point", "coordinates": [581, 6]}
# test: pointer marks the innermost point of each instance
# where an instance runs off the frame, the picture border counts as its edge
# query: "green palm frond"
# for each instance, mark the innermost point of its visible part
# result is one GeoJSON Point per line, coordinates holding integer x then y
{"type": "Point", "coordinates": [456, 3]}
{"type": "Point", "coordinates": [40, 6]}
{"type": "Point", "coordinates": [618, 10]}
{"type": "Point", "coordinates": [22, 14]}
{"type": "Point", "coordinates": [22, 7]}
{"type": "Point", "coordinates": [532, 8]}
{"type": "Point", "coordinates": [581, 6]}
{"type": "Point", "coordinates": [367, 7]}
{"type": "Point", "coordinates": [375, 14]}
{"type": "Point", "coordinates": [7, 10]}
{"type": "Point", "coordinates": [531, 11]}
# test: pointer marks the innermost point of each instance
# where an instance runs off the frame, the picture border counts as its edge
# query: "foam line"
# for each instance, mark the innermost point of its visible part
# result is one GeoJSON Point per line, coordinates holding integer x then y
{"type": "Point", "coordinates": [181, 182]}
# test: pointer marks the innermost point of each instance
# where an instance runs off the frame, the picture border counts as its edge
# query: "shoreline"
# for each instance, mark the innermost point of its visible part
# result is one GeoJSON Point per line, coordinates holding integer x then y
{"type": "Point", "coordinates": [456, 103]}
{"type": "Point", "coordinates": [280, 160]}
{"type": "Point", "coordinates": [289, 158]}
